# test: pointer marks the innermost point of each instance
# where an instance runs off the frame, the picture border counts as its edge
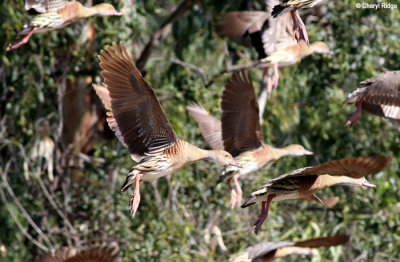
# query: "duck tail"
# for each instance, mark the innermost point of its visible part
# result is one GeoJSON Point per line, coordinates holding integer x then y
{"type": "Point", "coordinates": [277, 10]}
{"type": "Point", "coordinates": [225, 174]}
{"type": "Point", "coordinates": [130, 179]}
{"type": "Point", "coordinates": [249, 201]}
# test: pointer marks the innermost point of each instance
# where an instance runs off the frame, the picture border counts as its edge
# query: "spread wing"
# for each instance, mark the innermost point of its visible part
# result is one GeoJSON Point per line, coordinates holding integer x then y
{"type": "Point", "coordinates": [98, 255]}
{"type": "Point", "coordinates": [381, 95]}
{"type": "Point", "coordinates": [279, 33]}
{"type": "Point", "coordinates": [353, 167]}
{"type": "Point", "coordinates": [60, 255]}
{"type": "Point", "coordinates": [136, 116]}
{"type": "Point", "coordinates": [240, 125]}
{"type": "Point", "coordinates": [328, 241]}
{"type": "Point", "coordinates": [264, 248]}
{"type": "Point", "coordinates": [210, 126]}
{"type": "Point", "coordinates": [235, 25]}
{"type": "Point", "coordinates": [44, 6]}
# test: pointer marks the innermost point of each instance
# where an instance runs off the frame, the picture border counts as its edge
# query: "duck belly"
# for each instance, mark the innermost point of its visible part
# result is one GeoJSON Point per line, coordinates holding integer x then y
{"type": "Point", "coordinates": [155, 169]}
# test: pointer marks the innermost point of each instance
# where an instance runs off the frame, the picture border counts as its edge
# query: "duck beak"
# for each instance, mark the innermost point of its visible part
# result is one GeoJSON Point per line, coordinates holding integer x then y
{"type": "Point", "coordinates": [368, 184]}
{"type": "Point", "coordinates": [233, 163]}
{"type": "Point", "coordinates": [306, 152]}
{"type": "Point", "coordinates": [118, 13]}
{"type": "Point", "coordinates": [329, 52]}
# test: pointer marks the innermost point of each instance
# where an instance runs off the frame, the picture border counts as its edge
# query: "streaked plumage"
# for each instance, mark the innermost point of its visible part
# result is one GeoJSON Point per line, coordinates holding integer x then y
{"type": "Point", "coordinates": [55, 14]}
{"type": "Point", "coordinates": [303, 183]}
{"type": "Point", "coordinates": [292, 6]}
{"type": "Point", "coordinates": [70, 255]}
{"type": "Point", "coordinates": [272, 38]}
{"type": "Point", "coordinates": [379, 95]}
{"type": "Point", "coordinates": [136, 117]}
{"type": "Point", "coordinates": [240, 132]}
{"type": "Point", "coordinates": [266, 33]}
{"type": "Point", "coordinates": [268, 251]}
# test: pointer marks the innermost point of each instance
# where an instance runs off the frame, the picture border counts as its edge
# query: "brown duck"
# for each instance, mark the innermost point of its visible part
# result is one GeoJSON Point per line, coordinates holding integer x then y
{"type": "Point", "coordinates": [292, 6]}
{"type": "Point", "coordinates": [272, 39]}
{"type": "Point", "coordinates": [379, 95]}
{"type": "Point", "coordinates": [269, 251]}
{"type": "Point", "coordinates": [55, 14]}
{"type": "Point", "coordinates": [136, 117]}
{"type": "Point", "coordinates": [303, 183]}
{"type": "Point", "coordinates": [240, 133]}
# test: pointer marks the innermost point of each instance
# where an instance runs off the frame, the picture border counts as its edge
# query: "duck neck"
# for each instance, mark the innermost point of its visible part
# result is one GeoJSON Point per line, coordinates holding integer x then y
{"type": "Point", "coordinates": [195, 154]}
{"type": "Point", "coordinates": [325, 181]}
{"type": "Point", "coordinates": [277, 153]}
{"type": "Point", "coordinates": [86, 12]}
{"type": "Point", "coordinates": [307, 50]}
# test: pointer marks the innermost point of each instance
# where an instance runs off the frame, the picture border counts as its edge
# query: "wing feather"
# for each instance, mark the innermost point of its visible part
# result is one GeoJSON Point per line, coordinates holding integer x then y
{"type": "Point", "coordinates": [210, 126]}
{"type": "Point", "coordinates": [135, 115]}
{"type": "Point", "coordinates": [241, 129]}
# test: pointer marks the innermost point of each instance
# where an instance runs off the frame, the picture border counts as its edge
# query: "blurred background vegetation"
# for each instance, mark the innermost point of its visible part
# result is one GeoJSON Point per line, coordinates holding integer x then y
{"type": "Point", "coordinates": [61, 167]}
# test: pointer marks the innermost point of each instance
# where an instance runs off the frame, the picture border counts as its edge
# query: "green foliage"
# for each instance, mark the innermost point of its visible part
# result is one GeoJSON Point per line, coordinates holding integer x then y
{"type": "Point", "coordinates": [307, 109]}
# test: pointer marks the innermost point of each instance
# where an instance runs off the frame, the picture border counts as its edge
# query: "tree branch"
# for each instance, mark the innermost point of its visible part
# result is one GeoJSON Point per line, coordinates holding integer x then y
{"type": "Point", "coordinates": [20, 207]}
{"type": "Point", "coordinates": [162, 32]}
{"type": "Point", "coordinates": [254, 64]}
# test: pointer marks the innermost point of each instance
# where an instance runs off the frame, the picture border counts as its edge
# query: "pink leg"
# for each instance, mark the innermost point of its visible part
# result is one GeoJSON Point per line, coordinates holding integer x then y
{"type": "Point", "coordinates": [355, 116]}
{"type": "Point", "coordinates": [238, 189]}
{"type": "Point", "coordinates": [276, 76]}
{"type": "Point", "coordinates": [21, 41]}
{"type": "Point", "coordinates": [264, 213]}
{"type": "Point", "coordinates": [269, 83]}
{"type": "Point", "coordinates": [302, 28]}
{"type": "Point", "coordinates": [135, 197]}
{"type": "Point", "coordinates": [296, 27]}
{"type": "Point", "coordinates": [233, 193]}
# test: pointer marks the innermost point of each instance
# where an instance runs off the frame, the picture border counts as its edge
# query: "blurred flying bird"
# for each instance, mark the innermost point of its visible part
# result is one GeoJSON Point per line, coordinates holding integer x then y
{"type": "Point", "coordinates": [303, 183]}
{"type": "Point", "coordinates": [136, 117]}
{"type": "Point", "coordinates": [292, 6]}
{"type": "Point", "coordinates": [269, 251]}
{"type": "Point", "coordinates": [240, 133]}
{"type": "Point", "coordinates": [379, 95]}
{"type": "Point", "coordinates": [55, 14]}
{"type": "Point", "coordinates": [272, 39]}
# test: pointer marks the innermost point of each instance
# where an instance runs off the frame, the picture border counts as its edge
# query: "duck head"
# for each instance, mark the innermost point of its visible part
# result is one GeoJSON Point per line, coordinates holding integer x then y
{"type": "Point", "coordinates": [297, 150]}
{"type": "Point", "coordinates": [222, 157]}
{"type": "Point", "coordinates": [105, 9]}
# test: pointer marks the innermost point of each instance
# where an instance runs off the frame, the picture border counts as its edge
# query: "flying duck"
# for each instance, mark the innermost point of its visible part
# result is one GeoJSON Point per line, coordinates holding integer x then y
{"type": "Point", "coordinates": [240, 133]}
{"type": "Point", "coordinates": [136, 117]}
{"type": "Point", "coordinates": [303, 183]}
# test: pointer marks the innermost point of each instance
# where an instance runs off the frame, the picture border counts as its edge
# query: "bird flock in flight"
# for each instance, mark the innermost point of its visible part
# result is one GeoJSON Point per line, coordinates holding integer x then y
{"type": "Point", "coordinates": [139, 122]}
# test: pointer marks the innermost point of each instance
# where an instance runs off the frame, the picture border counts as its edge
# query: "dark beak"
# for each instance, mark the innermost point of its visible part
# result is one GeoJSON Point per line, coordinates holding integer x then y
{"type": "Point", "coordinates": [233, 163]}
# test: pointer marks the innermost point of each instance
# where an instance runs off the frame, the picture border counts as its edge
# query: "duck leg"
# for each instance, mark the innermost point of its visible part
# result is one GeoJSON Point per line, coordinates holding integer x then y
{"type": "Point", "coordinates": [328, 202]}
{"type": "Point", "coordinates": [21, 41]}
{"type": "Point", "coordinates": [135, 197]}
{"type": "Point", "coordinates": [352, 120]}
{"type": "Point", "coordinates": [296, 27]}
{"type": "Point", "coordinates": [233, 193]}
{"type": "Point", "coordinates": [238, 189]}
{"type": "Point", "coordinates": [299, 29]}
{"type": "Point", "coordinates": [302, 28]}
{"type": "Point", "coordinates": [264, 213]}
{"type": "Point", "coordinates": [269, 82]}
{"type": "Point", "coordinates": [276, 76]}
